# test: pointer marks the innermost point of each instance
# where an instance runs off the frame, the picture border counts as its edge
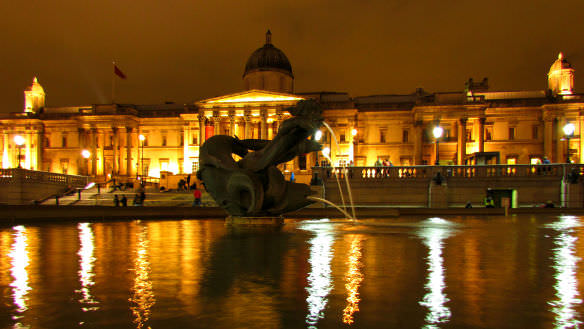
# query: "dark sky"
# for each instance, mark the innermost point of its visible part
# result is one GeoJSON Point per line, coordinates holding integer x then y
{"type": "Point", "coordinates": [187, 50]}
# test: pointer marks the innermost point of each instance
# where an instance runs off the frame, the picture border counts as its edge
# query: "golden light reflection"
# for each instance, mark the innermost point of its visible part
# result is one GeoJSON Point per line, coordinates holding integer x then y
{"type": "Point", "coordinates": [434, 232]}
{"type": "Point", "coordinates": [319, 278]}
{"type": "Point", "coordinates": [86, 260]}
{"type": "Point", "coordinates": [142, 295]}
{"type": "Point", "coordinates": [565, 264]}
{"type": "Point", "coordinates": [353, 280]}
{"type": "Point", "coordinates": [20, 261]}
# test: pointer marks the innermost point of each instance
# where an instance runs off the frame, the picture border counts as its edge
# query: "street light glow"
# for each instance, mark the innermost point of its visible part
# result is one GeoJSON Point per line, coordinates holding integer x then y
{"type": "Point", "coordinates": [326, 151]}
{"type": "Point", "coordinates": [19, 140]}
{"type": "Point", "coordinates": [438, 131]}
{"type": "Point", "coordinates": [317, 135]}
{"type": "Point", "coordinates": [569, 129]}
{"type": "Point", "coordinates": [141, 137]}
{"type": "Point", "coordinates": [354, 132]}
{"type": "Point", "coordinates": [86, 154]}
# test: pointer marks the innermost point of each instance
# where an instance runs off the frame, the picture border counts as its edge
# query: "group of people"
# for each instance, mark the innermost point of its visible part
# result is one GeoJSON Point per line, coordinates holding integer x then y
{"type": "Point", "coordinates": [383, 163]}
{"type": "Point", "coordinates": [185, 185]}
{"type": "Point", "coordinates": [123, 201]}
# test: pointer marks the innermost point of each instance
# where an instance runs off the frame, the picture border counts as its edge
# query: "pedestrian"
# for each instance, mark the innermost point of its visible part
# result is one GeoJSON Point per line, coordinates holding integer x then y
{"type": "Point", "coordinates": [188, 182]}
{"type": "Point", "coordinates": [136, 201]}
{"type": "Point", "coordinates": [197, 195]}
{"type": "Point", "coordinates": [124, 201]}
{"type": "Point", "coordinates": [142, 197]}
{"type": "Point", "coordinates": [116, 200]}
{"type": "Point", "coordinates": [468, 205]}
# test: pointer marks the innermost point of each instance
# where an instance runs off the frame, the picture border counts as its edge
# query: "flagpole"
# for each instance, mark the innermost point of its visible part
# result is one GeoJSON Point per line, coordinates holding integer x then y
{"type": "Point", "coordinates": [113, 82]}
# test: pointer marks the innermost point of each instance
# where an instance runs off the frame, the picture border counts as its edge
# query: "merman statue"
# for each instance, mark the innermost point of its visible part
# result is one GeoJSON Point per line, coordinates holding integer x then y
{"type": "Point", "coordinates": [254, 186]}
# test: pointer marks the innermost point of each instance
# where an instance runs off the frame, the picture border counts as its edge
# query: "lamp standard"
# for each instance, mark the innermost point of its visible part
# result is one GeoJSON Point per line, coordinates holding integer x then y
{"type": "Point", "coordinates": [354, 132]}
{"type": "Point", "coordinates": [569, 133]}
{"type": "Point", "coordinates": [19, 140]}
{"type": "Point", "coordinates": [142, 139]}
{"type": "Point", "coordinates": [437, 132]}
{"type": "Point", "coordinates": [86, 154]}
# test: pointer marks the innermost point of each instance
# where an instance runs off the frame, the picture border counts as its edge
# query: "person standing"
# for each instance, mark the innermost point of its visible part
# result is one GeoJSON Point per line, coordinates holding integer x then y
{"type": "Point", "coordinates": [116, 200]}
{"type": "Point", "coordinates": [188, 182]}
{"type": "Point", "coordinates": [124, 201]}
{"type": "Point", "coordinates": [197, 195]}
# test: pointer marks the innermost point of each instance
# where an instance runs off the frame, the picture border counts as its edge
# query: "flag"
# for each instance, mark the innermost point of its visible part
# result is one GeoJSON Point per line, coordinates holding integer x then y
{"type": "Point", "coordinates": [119, 72]}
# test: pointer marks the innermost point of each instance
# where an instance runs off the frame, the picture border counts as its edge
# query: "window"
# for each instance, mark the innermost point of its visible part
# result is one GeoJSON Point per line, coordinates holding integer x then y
{"type": "Point", "coordinates": [405, 136]}
{"type": "Point", "coordinates": [64, 141]}
{"type": "Point", "coordinates": [194, 164]}
{"type": "Point", "coordinates": [145, 141]}
{"type": "Point", "coordinates": [181, 141]}
{"type": "Point", "coordinates": [489, 133]}
{"type": "Point", "coordinates": [382, 133]}
{"type": "Point", "coordinates": [64, 166]}
{"type": "Point", "coordinates": [164, 164]}
{"type": "Point", "coordinates": [511, 159]}
{"type": "Point", "coordinates": [469, 135]}
{"type": "Point", "coordinates": [194, 140]}
{"type": "Point", "coordinates": [146, 167]}
{"type": "Point", "coordinates": [181, 165]}
{"type": "Point", "coordinates": [511, 133]}
{"type": "Point", "coordinates": [164, 140]}
{"type": "Point", "coordinates": [302, 162]}
{"type": "Point", "coordinates": [342, 138]}
{"type": "Point", "coordinates": [535, 132]}
{"type": "Point", "coordinates": [47, 142]}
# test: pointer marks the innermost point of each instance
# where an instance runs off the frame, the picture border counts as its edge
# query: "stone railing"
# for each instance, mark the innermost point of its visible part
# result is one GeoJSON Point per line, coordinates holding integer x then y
{"type": "Point", "coordinates": [427, 172]}
{"type": "Point", "coordinates": [24, 176]}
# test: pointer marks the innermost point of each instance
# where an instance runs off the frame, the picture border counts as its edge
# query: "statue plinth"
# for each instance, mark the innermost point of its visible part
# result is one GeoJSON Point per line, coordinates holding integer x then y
{"type": "Point", "coordinates": [252, 221]}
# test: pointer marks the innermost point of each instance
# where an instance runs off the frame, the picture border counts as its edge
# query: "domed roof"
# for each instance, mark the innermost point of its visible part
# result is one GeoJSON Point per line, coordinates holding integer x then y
{"type": "Point", "coordinates": [268, 58]}
{"type": "Point", "coordinates": [560, 63]}
{"type": "Point", "coordinates": [35, 87]}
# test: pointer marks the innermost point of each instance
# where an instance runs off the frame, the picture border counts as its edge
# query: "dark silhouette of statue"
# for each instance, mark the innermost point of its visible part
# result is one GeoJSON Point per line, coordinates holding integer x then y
{"type": "Point", "coordinates": [253, 186]}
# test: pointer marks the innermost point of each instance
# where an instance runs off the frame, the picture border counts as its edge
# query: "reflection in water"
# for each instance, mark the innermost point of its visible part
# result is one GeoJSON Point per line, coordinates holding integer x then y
{"type": "Point", "coordinates": [86, 260]}
{"type": "Point", "coordinates": [20, 261]}
{"type": "Point", "coordinates": [143, 296]}
{"type": "Point", "coordinates": [565, 264]}
{"type": "Point", "coordinates": [433, 234]}
{"type": "Point", "coordinates": [353, 280]}
{"type": "Point", "coordinates": [319, 278]}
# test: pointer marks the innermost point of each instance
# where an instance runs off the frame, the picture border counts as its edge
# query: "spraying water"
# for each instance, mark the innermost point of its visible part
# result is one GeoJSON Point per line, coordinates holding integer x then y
{"type": "Point", "coordinates": [337, 175]}
{"type": "Point", "coordinates": [331, 204]}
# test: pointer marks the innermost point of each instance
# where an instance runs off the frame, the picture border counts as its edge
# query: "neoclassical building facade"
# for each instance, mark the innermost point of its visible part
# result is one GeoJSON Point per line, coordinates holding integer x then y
{"type": "Point", "coordinates": [128, 141]}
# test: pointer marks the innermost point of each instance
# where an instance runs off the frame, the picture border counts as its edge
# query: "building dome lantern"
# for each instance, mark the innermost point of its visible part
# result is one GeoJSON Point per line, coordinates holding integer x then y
{"type": "Point", "coordinates": [268, 68]}
{"type": "Point", "coordinates": [561, 77]}
{"type": "Point", "coordinates": [34, 97]}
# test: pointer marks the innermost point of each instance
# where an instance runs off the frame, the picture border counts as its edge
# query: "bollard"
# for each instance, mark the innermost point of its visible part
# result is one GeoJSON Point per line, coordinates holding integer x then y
{"type": "Point", "coordinates": [78, 194]}
{"type": "Point", "coordinates": [57, 200]}
{"type": "Point", "coordinates": [98, 188]}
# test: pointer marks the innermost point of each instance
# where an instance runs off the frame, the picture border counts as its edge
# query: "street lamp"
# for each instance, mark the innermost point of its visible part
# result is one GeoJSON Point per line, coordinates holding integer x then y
{"type": "Point", "coordinates": [569, 133]}
{"type": "Point", "coordinates": [19, 140]}
{"type": "Point", "coordinates": [86, 154]}
{"type": "Point", "coordinates": [437, 132]}
{"type": "Point", "coordinates": [142, 139]}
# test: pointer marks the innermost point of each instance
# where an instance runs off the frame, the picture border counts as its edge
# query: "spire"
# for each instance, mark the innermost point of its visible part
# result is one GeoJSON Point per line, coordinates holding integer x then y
{"type": "Point", "coordinates": [35, 80]}
{"type": "Point", "coordinates": [560, 56]}
{"type": "Point", "coordinates": [268, 37]}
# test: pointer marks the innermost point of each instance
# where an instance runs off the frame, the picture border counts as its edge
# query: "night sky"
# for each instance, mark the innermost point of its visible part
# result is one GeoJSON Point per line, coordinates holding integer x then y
{"type": "Point", "coordinates": [184, 51]}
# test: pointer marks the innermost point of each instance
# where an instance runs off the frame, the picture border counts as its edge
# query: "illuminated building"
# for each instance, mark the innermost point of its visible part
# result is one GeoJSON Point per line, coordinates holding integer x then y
{"type": "Point", "coordinates": [523, 126]}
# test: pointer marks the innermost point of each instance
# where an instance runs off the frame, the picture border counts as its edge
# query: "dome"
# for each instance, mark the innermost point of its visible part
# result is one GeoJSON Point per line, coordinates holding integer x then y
{"type": "Point", "coordinates": [268, 58]}
{"type": "Point", "coordinates": [560, 63]}
{"type": "Point", "coordinates": [36, 87]}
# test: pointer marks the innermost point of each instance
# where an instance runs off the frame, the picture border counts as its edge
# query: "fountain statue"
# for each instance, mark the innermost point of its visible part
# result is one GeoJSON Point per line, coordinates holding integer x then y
{"type": "Point", "coordinates": [253, 186]}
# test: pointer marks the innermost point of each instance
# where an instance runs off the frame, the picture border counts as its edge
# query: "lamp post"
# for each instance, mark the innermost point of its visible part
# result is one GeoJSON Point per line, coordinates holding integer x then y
{"type": "Point", "coordinates": [354, 132]}
{"type": "Point", "coordinates": [569, 133]}
{"type": "Point", "coordinates": [19, 140]}
{"type": "Point", "coordinates": [86, 154]}
{"type": "Point", "coordinates": [437, 132]}
{"type": "Point", "coordinates": [142, 139]}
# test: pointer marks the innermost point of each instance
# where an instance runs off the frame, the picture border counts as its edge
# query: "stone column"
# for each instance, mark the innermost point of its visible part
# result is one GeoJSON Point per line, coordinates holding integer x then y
{"type": "Point", "coordinates": [581, 142]}
{"type": "Point", "coordinates": [418, 142]}
{"type": "Point", "coordinates": [461, 154]}
{"type": "Point", "coordinates": [231, 123]}
{"type": "Point", "coordinates": [561, 146]}
{"type": "Point", "coordinates": [5, 154]}
{"type": "Point", "coordinates": [115, 153]}
{"type": "Point", "coordinates": [482, 134]}
{"type": "Point", "coordinates": [201, 140]}
{"type": "Point", "coordinates": [548, 140]}
{"type": "Point", "coordinates": [129, 167]}
{"type": "Point", "coordinates": [264, 124]}
{"type": "Point", "coordinates": [94, 152]}
{"type": "Point", "coordinates": [216, 123]}
{"type": "Point", "coordinates": [247, 118]}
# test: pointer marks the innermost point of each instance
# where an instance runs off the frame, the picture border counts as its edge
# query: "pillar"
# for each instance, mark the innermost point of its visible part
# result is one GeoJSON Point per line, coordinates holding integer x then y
{"type": "Point", "coordinates": [247, 118]}
{"type": "Point", "coordinates": [482, 134]}
{"type": "Point", "coordinates": [461, 145]}
{"type": "Point", "coordinates": [232, 123]}
{"type": "Point", "coordinates": [201, 130]}
{"type": "Point", "coordinates": [94, 152]}
{"type": "Point", "coordinates": [264, 124]}
{"type": "Point", "coordinates": [115, 153]}
{"type": "Point", "coordinates": [561, 145]}
{"type": "Point", "coordinates": [418, 142]}
{"type": "Point", "coordinates": [581, 143]}
{"type": "Point", "coordinates": [216, 123]}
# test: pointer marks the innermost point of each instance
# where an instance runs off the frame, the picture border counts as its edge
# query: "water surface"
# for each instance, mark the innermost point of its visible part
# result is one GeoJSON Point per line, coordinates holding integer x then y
{"type": "Point", "coordinates": [410, 272]}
